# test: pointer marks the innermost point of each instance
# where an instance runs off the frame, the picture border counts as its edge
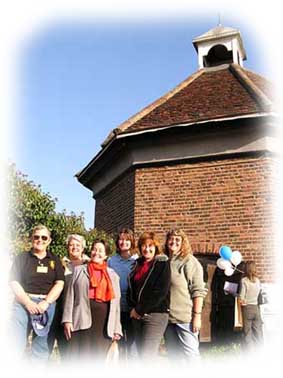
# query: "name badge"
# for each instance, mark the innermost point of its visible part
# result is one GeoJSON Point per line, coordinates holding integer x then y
{"type": "Point", "coordinates": [42, 269]}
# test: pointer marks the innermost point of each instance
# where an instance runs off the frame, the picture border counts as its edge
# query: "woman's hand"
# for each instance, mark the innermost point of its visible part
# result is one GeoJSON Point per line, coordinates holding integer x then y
{"type": "Point", "coordinates": [134, 314]}
{"type": "Point", "coordinates": [196, 322]}
{"type": "Point", "coordinates": [116, 337]}
{"type": "Point", "coordinates": [68, 329]}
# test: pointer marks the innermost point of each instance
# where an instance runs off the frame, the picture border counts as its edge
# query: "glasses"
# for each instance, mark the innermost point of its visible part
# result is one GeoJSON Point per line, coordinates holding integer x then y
{"type": "Point", "coordinates": [38, 237]}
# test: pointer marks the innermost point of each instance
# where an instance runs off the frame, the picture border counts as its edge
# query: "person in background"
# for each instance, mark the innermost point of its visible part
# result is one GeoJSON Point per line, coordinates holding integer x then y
{"type": "Point", "coordinates": [75, 247]}
{"type": "Point", "coordinates": [187, 292]}
{"type": "Point", "coordinates": [249, 292]}
{"type": "Point", "coordinates": [37, 280]}
{"type": "Point", "coordinates": [122, 262]}
{"type": "Point", "coordinates": [91, 315]}
{"type": "Point", "coordinates": [148, 296]}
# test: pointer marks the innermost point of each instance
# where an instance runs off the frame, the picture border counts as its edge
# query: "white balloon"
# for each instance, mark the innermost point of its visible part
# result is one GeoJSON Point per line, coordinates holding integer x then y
{"type": "Point", "coordinates": [236, 258]}
{"type": "Point", "coordinates": [229, 271]}
{"type": "Point", "coordinates": [223, 264]}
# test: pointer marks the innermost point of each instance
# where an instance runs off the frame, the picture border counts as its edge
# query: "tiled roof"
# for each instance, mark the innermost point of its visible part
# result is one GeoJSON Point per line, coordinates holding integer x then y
{"type": "Point", "coordinates": [209, 94]}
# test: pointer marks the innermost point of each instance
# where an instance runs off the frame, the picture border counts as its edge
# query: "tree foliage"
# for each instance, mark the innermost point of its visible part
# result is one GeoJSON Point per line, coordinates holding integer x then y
{"type": "Point", "coordinates": [30, 206]}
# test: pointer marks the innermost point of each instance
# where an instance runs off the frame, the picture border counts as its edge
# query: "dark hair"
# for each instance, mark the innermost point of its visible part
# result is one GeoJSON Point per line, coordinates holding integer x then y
{"type": "Point", "coordinates": [130, 236]}
{"type": "Point", "coordinates": [150, 236]}
{"type": "Point", "coordinates": [250, 270]}
{"type": "Point", "coordinates": [104, 242]}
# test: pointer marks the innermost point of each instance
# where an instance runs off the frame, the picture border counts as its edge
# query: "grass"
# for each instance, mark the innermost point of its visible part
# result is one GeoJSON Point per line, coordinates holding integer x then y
{"type": "Point", "coordinates": [208, 351]}
{"type": "Point", "coordinates": [220, 350]}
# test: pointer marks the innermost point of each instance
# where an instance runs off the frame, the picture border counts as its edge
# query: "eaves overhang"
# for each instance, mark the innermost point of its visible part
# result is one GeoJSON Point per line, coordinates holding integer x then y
{"type": "Point", "coordinates": [118, 142]}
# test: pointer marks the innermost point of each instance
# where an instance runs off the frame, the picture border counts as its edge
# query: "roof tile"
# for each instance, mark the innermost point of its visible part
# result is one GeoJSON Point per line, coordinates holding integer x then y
{"type": "Point", "coordinates": [212, 94]}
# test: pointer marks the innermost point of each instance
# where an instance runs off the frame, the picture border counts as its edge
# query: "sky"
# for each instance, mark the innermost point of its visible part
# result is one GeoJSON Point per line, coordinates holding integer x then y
{"type": "Point", "coordinates": [78, 78]}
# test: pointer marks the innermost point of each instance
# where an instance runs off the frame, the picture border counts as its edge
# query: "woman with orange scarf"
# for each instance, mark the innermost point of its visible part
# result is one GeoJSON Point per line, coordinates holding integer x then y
{"type": "Point", "coordinates": [91, 314]}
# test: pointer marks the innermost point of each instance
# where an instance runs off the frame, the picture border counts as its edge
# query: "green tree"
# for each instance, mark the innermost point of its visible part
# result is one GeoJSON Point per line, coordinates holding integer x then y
{"type": "Point", "coordinates": [30, 206]}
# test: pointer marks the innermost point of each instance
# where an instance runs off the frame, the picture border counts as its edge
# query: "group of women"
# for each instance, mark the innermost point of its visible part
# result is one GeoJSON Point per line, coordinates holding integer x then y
{"type": "Point", "coordinates": [139, 297]}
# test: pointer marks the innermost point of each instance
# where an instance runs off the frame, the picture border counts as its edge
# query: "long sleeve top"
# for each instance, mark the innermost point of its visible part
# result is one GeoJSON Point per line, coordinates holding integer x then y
{"type": "Point", "coordinates": [187, 283]}
{"type": "Point", "coordinates": [249, 291]}
{"type": "Point", "coordinates": [123, 268]}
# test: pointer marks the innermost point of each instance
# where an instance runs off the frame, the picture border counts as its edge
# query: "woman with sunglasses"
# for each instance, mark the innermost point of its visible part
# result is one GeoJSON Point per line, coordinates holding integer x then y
{"type": "Point", "coordinates": [36, 279]}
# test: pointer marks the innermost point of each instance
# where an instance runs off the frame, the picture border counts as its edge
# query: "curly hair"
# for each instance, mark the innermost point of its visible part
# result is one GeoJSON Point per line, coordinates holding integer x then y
{"type": "Point", "coordinates": [186, 248]}
{"type": "Point", "coordinates": [149, 236]}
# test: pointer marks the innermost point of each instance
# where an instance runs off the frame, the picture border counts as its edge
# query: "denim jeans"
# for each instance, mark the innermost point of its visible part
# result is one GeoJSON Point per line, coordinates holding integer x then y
{"type": "Point", "coordinates": [181, 342]}
{"type": "Point", "coordinates": [148, 332]}
{"type": "Point", "coordinates": [20, 327]}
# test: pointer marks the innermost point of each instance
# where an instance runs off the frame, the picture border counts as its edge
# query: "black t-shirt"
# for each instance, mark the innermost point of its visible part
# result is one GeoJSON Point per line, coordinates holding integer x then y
{"type": "Point", "coordinates": [37, 276]}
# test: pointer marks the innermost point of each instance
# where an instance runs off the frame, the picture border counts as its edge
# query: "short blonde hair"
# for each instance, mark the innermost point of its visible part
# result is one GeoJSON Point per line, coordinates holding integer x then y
{"type": "Point", "coordinates": [186, 248]}
{"type": "Point", "coordinates": [76, 237]}
{"type": "Point", "coordinates": [40, 227]}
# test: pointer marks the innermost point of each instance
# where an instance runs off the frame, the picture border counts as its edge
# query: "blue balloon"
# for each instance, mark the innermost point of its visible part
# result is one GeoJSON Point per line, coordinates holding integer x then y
{"type": "Point", "coordinates": [225, 252]}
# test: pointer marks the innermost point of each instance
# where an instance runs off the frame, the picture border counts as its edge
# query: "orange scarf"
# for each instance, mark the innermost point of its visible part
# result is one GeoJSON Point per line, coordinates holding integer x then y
{"type": "Point", "coordinates": [101, 289]}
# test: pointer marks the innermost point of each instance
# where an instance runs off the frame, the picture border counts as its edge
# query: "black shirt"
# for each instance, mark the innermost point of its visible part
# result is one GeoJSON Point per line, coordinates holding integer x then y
{"type": "Point", "coordinates": [37, 276]}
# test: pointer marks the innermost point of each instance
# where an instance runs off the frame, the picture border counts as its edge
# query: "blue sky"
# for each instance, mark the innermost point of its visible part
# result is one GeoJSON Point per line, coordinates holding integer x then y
{"type": "Point", "coordinates": [78, 79]}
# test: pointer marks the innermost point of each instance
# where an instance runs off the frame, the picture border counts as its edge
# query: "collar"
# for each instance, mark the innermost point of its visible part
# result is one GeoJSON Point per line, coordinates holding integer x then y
{"type": "Point", "coordinates": [122, 259]}
{"type": "Point", "coordinates": [48, 255]}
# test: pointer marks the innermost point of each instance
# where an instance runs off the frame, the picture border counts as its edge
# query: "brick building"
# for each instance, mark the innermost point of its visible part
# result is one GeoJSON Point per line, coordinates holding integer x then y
{"type": "Point", "coordinates": [201, 158]}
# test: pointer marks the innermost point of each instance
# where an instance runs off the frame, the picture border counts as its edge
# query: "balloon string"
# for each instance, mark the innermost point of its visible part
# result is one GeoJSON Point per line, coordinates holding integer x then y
{"type": "Point", "coordinates": [237, 269]}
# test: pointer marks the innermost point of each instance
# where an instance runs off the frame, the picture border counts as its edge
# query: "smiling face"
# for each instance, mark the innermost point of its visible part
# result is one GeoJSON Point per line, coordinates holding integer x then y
{"type": "Point", "coordinates": [40, 240]}
{"type": "Point", "coordinates": [174, 244]}
{"type": "Point", "coordinates": [124, 243]}
{"type": "Point", "coordinates": [98, 253]}
{"type": "Point", "coordinates": [75, 249]}
{"type": "Point", "coordinates": [148, 250]}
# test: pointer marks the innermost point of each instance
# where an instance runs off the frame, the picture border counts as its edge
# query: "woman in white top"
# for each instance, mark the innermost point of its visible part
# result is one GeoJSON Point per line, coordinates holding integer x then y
{"type": "Point", "coordinates": [249, 291]}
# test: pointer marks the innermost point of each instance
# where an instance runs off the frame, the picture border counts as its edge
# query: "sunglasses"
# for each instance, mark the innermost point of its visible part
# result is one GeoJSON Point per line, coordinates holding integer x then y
{"type": "Point", "coordinates": [38, 237]}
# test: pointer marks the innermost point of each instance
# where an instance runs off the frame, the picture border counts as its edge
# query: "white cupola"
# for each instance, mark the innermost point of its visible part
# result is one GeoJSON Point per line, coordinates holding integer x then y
{"type": "Point", "coordinates": [220, 45]}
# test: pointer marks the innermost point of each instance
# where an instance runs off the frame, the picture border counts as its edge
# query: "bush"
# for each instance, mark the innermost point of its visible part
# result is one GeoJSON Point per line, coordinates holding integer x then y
{"type": "Point", "coordinates": [30, 206]}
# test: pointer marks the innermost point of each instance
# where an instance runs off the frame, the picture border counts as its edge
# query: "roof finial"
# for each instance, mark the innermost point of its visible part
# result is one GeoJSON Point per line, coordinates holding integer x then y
{"type": "Point", "coordinates": [219, 19]}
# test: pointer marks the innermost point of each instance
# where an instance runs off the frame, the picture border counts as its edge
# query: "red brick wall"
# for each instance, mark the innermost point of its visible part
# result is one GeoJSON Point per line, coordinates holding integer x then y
{"type": "Point", "coordinates": [228, 202]}
{"type": "Point", "coordinates": [222, 202]}
{"type": "Point", "coordinates": [115, 205]}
